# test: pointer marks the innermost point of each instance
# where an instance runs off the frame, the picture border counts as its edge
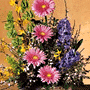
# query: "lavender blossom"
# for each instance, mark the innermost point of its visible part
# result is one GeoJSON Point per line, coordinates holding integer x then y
{"type": "Point", "coordinates": [64, 34]}
{"type": "Point", "coordinates": [69, 59]}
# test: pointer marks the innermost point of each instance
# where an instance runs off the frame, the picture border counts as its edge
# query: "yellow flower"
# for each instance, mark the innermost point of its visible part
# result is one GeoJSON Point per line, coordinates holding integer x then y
{"type": "Point", "coordinates": [23, 45]}
{"type": "Point", "coordinates": [9, 67]}
{"type": "Point", "coordinates": [55, 55]}
{"type": "Point", "coordinates": [25, 21]}
{"type": "Point", "coordinates": [8, 71]}
{"type": "Point", "coordinates": [22, 38]}
{"type": "Point", "coordinates": [16, 22]}
{"type": "Point", "coordinates": [23, 68]}
{"type": "Point", "coordinates": [22, 32]}
{"type": "Point", "coordinates": [12, 56]}
{"type": "Point", "coordinates": [4, 75]}
{"type": "Point", "coordinates": [18, 8]}
{"type": "Point", "coordinates": [1, 49]}
{"type": "Point", "coordinates": [58, 52]}
{"type": "Point", "coordinates": [5, 60]}
{"type": "Point", "coordinates": [59, 58]}
{"type": "Point", "coordinates": [18, 73]}
{"type": "Point", "coordinates": [3, 39]}
{"type": "Point", "coordinates": [4, 46]}
{"type": "Point", "coordinates": [22, 48]}
{"type": "Point", "coordinates": [12, 2]}
{"type": "Point", "coordinates": [28, 47]}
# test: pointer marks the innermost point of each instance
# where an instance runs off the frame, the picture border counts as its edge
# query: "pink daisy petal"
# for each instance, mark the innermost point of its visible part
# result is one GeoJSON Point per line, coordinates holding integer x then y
{"type": "Point", "coordinates": [48, 74]}
{"type": "Point", "coordinates": [43, 7]}
{"type": "Point", "coordinates": [43, 33]}
{"type": "Point", "coordinates": [35, 57]}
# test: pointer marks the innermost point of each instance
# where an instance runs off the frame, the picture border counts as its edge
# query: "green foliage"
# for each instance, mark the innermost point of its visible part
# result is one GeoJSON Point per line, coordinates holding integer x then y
{"type": "Point", "coordinates": [30, 28]}
{"type": "Point", "coordinates": [10, 79]}
{"type": "Point", "coordinates": [14, 64]}
{"type": "Point", "coordinates": [11, 34]}
{"type": "Point", "coordinates": [17, 41]}
{"type": "Point", "coordinates": [20, 63]}
{"type": "Point", "coordinates": [55, 21]}
{"type": "Point", "coordinates": [19, 52]}
{"type": "Point", "coordinates": [9, 25]}
{"type": "Point", "coordinates": [66, 86]}
{"type": "Point", "coordinates": [24, 5]}
{"type": "Point", "coordinates": [47, 87]}
{"type": "Point", "coordinates": [10, 17]}
{"type": "Point", "coordinates": [28, 15]}
{"type": "Point", "coordinates": [41, 46]}
{"type": "Point", "coordinates": [45, 20]}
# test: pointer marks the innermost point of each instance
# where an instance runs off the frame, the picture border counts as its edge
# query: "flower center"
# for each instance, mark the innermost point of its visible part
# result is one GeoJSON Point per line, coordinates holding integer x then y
{"type": "Point", "coordinates": [35, 57]}
{"type": "Point", "coordinates": [43, 6]}
{"type": "Point", "coordinates": [48, 75]}
{"type": "Point", "coordinates": [42, 33]}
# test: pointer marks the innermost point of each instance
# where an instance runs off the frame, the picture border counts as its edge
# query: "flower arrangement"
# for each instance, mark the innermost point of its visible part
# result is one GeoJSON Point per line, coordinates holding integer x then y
{"type": "Point", "coordinates": [44, 53]}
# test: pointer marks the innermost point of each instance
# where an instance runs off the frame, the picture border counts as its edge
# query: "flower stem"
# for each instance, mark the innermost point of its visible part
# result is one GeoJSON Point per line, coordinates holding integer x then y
{"type": "Point", "coordinates": [65, 8]}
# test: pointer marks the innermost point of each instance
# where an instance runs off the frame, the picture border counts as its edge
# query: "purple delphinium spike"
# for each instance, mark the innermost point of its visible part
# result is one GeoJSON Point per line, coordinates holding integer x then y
{"type": "Point", "coordinates": [64, 34]}
{"type": "Point", "coordinates": [69, 59]}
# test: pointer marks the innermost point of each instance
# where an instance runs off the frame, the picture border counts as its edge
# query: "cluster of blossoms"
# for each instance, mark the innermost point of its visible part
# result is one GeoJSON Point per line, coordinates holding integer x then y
{"type": "Point", "coordinates": [64, 36]}
{"type": "Point", "coordinates": [69, 59]}
{"type": "Point", "coordinates": [33, 46]}
{"type": "Point", "coordinates": [47, 73]}
{"type": "Point", "coordinates": [5, 74]}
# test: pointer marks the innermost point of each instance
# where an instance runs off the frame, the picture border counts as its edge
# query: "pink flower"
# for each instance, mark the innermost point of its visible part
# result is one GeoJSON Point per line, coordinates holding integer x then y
{"type": "Point", "coordinates": [35, 57]}
{"type": "Point", "coordinates": [43, 7]}
{"type": "Point", "coordinates": [42, 32]}
{"type": "Point", "coordinates": [49, 74]}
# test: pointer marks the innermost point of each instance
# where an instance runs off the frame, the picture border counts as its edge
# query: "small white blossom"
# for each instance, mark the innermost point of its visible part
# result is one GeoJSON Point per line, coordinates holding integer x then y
{"type": "Point", "coordinates": [8, 84]}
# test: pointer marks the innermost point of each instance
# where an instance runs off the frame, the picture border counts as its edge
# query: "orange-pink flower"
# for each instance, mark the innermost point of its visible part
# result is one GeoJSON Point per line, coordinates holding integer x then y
{"type": "Point", "coordinates": [49, 74]}
{"type": "Point", "coordinates": [35, 57]}
{"type": "Point", "coordinates": [42, 32]}
{"type": "Point", "coordinates": [43, 7]}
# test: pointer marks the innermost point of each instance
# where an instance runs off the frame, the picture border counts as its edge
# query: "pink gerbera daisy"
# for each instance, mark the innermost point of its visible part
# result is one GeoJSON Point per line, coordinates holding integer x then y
{"type": "Point", "coordinates": [35, 56]}
{"type": "Point", "coordinates": [42, 32]}
{"type": "Point", "coordinates": [43, 7]}
{"type": "Point", "coordinates": [49, 74]}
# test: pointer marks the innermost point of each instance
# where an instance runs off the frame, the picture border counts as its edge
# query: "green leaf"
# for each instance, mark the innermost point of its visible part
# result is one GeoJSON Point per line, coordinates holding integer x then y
{"type": "Point", "coordinates": [28, 15]}
{"type": "Point", "coordinates": [31, 14]}
{"type": "Point", "coordinates": [19, 52]}
{"type": "Point", "coordinates": [11, 34]}
{"type": "Point", "coordinates": [66, 86]}
{"type": "Point", "coordinates": [24, 5]}
{"type": "Point", "coordinates": [46, 20]}
{"type": "Point", "coordinates": [78, 44]}
{"type": "Point", "coordinates": [9, 26]}
{"type": "Point", "coordinates": [29, 28]}
{"type": "Point", "coordinates": [47, 88]}
{"type": "Point", "coordinates": [14, 64]}
{"type": "Point", "coordinates": [24, 16]}
{"type": "Point", "coordinates": [17, 41]}
{"type": "Point", "coordinates": [10, 17]}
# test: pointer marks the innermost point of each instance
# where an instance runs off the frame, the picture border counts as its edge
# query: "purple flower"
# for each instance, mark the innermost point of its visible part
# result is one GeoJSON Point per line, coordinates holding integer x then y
{"type": "Point", "coordinates": [69, 59]}
{"type": "Point", "coordinates": [64, 34]}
